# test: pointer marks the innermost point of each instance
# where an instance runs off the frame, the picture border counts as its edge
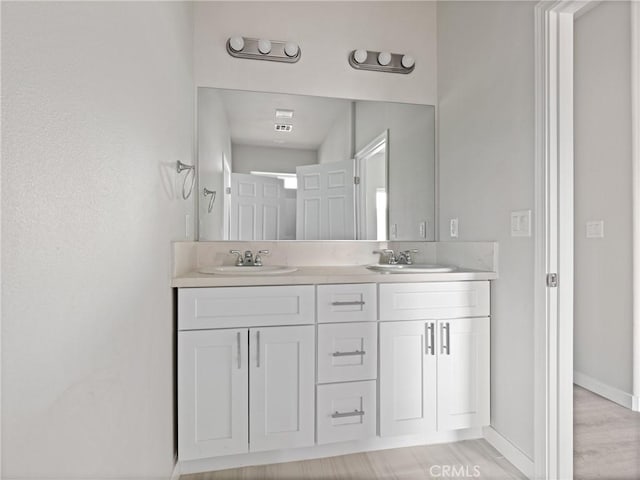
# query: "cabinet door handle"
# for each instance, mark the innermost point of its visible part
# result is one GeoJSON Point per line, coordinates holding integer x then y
{"type": "Point", "coordinates": [258, 348]}
{"type": "Point", "coordinates": [239, 351]}
{"type": "Point", "coordinates": [355, 413]}
{"type": "Point", "coordinates": [344, 304]}
{"type": "Point", "coordinates": [445, 338]}
{"type": "Point", "coordinates": [431, 348]}
{"type": "Point", "coordinates": [348, 354]}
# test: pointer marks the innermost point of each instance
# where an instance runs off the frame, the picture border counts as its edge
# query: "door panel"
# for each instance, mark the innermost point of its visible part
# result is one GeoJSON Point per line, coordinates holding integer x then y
{"type": "Point", "coordinates": [463, 373]}
{"type": "Point", "coordinates": [212, 393]}
{"type": "Point", "coordinates": [407, 379]}
{"type": "Point", "coordinates": [282, 387]}
{"type": "Point", "coordinates": [256, 204]}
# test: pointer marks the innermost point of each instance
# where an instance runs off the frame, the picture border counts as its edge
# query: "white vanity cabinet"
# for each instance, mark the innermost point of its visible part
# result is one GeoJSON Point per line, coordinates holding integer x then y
{"type": "Point", "coordinates": [347, 362]}
{"type": "Point", "coordinates": [250, 388]}
{"type": "Point", "coordinates": [434, 372]}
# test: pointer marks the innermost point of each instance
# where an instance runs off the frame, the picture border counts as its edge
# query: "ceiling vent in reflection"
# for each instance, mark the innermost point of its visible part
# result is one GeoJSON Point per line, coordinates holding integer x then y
{"type": "Point", "coordinates": [283, 127]}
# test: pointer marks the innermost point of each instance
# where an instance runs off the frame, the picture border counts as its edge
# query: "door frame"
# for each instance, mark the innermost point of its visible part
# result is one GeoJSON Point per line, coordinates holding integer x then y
{"type": "Point", "coordinates": [553, 307]}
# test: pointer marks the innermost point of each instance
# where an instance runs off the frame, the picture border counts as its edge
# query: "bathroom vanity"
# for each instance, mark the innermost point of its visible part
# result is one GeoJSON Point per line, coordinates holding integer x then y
{"type": "Point", "coordinates": [328, 360]}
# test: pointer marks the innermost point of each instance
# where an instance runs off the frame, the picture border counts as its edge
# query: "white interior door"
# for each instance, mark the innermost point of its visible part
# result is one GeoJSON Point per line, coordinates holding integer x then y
{"type": "Point", "coordinates": [282, 381]}
{"type": "Point", "coordinates": [226, 197]}
{"type": "Point", "coordinates": [407, 378]}
{"type": "Point", "coordinates": [325, 202]}
{"type": "Point", "coordinates": [213, 392]}
{"type": "Point", "coordinates": [463, 373]}
{"type": "Point", "coordinates": [256, 202]}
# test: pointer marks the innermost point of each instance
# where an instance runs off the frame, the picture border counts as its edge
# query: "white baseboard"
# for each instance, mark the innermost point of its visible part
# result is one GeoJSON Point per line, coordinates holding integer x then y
{"type": "Point", "coordinates": [322, 451]}
{"type": "Point", "coordinates": [635, 403]}
{"type": "Point", "coordinates": [596, 386]}
{"type": "Point", "coordinates": [176, 472]}
{"type": "Point", "coordinates": [510, 452]}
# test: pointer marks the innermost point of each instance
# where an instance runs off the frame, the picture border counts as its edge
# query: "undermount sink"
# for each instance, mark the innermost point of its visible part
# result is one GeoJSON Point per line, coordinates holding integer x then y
{"type": "Point", "coordinates": [413, 268]}
{"type": "Point", "coordinates": [252, 270]}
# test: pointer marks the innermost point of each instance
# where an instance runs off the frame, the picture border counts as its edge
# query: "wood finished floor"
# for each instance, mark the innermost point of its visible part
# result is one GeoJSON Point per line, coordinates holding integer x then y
{"type": "Point", "coordinates": [606, 438]}
{"type": "Point", "coordinates": [412, 463]}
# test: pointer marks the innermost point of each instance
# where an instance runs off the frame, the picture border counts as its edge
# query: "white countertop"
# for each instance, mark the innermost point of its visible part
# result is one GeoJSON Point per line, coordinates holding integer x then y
{"type": "Point", "coordinates": [325, 275]}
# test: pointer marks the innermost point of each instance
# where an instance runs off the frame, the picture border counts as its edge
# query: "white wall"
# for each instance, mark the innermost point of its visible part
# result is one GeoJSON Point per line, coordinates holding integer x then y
{"type": "Point", "coordinates": [603, 324]}
{"type": "Point", "coordinates": [97, 105]}
{"type": "Point", "coordinates": [486, 127]}
{"type": "Point", "coordinates": [327, 32]}
{"type": "Point", "coordinates": [338, 144]}
{"type": "Point", "coordinates": [247, 158]}
{"type": "Point", "coordinates": [214, 144]}
{"type": "Point", "coordinates": [411, 149]}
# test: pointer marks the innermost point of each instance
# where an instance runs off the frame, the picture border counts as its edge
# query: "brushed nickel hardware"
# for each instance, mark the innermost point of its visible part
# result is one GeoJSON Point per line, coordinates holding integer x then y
{"type": "Point", "coordinates": [431, 348]}
{"type": "Point", "coordinates": [355, 413]}
{"type": "Point", "coordinates": [391, 256]}
{"type": "Point", "coordinates": [404, 257]}
{"type": "Point", "coordinates": [238, 253]}
{"type": "Point", "coordinates": [180, 167]}
{"type": "Point", "coordinates": [344, 304]}
{"type": "Point", "coordinates": [258, 348]}
{"type": "Point", "coordinates": [444, 339]}
{"type": "Point", "coordinates": [552, 280]}
{"type": "Point", "coordinates": [262, 49]}
{"type": "Point", "coordinates": [381, 61]}
{"type": "Point", "coordinates": [348, 354]}
{"type": "Point", "coordinates": [257, 261]}
{"type": "Point", "coordinates": [207, 192]}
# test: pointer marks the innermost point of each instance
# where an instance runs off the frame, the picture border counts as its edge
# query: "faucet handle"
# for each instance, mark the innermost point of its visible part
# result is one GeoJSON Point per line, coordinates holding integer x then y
{"type": "Point", "coordinates": [238, 254]}
{"type": "Point", "coordinates": [405, 256]}
{"type": "Point", "coordinates": [391, 259]}
{"type": "Point", "coordinates": [258, 260]}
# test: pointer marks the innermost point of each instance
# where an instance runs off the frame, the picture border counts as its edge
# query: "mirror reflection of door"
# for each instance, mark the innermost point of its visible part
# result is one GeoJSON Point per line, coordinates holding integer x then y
{"type": "Point", "coordinates": [256, 205]}
{"type": "Point", "coordinates": [372, 209]}
{"type": "Point", "coordinates": [325, 203]}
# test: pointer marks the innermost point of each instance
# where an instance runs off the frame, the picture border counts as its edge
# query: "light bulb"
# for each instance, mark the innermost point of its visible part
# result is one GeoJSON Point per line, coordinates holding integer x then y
{"type": "Point", "coordinates": [291, 49]}
{"type": "Point", "coordinates": [360, 55]}
{"type": "Point", "coordinates": [384, 58]}
{"type": "Point", "coordinates": [408, 61]}
{"type": "Point", "coordinates": [264, 46]}
{"type": "Point", "coordinates": [236, 44]}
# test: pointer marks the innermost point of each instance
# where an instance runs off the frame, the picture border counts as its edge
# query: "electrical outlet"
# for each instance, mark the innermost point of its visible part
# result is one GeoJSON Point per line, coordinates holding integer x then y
{"type": "Point", "coordinates": [187, 226]}
{"type": "Point", "coordinates": [521, 223]}
{"type": "Point", "coordinates": [453, 228]}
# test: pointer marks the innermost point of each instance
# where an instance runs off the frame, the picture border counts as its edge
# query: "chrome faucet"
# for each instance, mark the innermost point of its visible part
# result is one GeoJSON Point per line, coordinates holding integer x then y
{"type": "Point", "coordinates": [391, 256]}
{"type": "Point", "coordinates": [247, 259]}
{"type": "Point", "coordinates": [405, 258]}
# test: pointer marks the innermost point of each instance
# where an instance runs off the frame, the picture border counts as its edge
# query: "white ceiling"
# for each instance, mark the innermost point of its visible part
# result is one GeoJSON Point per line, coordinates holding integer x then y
{"type": "Point", "coordinates": [251, 117]}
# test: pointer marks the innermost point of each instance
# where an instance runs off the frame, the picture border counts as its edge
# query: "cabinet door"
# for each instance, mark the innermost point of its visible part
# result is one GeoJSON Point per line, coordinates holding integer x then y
{"type": "Point", "coordinates": [407, 378]}
{"type": "Point", "coordinates": [212, 393]}
{"type": "Point", "coordinates": [282, 371]}
{"type": "Point", "coordinates": [463, 373]}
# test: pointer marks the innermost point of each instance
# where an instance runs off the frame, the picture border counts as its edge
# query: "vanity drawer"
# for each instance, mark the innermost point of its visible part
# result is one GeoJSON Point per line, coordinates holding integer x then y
{"type": "Point", "coordinates": [347, 351]}
{"type": "Point", "coordinates": [233, 307]}
{"type": "Point", "coordinates": [433, 300]}
{"type": "Point", "coordinates": [346, 411]}
{"type": "Point", "coordinates": [347, 303]}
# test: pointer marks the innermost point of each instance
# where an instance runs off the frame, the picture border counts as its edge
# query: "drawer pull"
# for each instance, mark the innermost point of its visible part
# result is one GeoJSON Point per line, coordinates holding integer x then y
{"type": "Point", "coordinates": [355, 413]}
{"type": "Point", "coordinates": [345, 304]}
{"type": "Point", "coordinates": [348, 354]}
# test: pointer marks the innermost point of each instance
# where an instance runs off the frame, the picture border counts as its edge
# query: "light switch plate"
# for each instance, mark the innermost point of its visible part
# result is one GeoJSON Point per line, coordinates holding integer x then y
{"type": "Point", "coordinates": [521, 223]}
{"type": "Point", "coordinates": [595, 229]}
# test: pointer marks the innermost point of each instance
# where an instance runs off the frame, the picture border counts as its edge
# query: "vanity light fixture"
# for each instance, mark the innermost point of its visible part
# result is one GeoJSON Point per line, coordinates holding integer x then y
{"type": "Point", "coordinates": [263, 49]}
{"type": "Point", "coordinates": [381, 61]}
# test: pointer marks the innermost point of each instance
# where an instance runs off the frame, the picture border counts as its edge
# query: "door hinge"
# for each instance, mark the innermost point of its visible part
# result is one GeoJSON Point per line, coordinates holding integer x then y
{"type": "Point", "coordinates": [356, 180]}
{"type": "Point", "coordinates": [228, 190]}
{"type": "Point", "coordinates": [552, 280]}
